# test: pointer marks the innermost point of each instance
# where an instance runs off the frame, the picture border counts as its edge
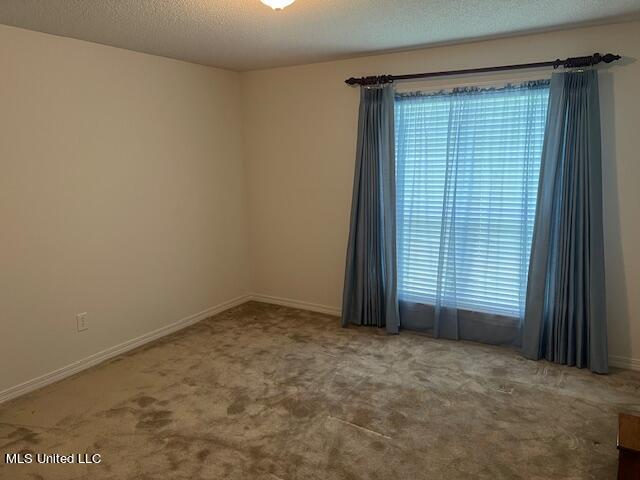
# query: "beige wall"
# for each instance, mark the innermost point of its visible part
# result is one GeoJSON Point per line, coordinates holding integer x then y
{"type": "Point", "coordinates": [121, 195]}
{"type": "Point", "coordinates": [300, 130]}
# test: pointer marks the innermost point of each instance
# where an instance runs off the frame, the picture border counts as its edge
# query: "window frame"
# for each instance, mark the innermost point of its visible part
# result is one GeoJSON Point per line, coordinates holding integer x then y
{"type": "Point", "coordinates": [448, 87]}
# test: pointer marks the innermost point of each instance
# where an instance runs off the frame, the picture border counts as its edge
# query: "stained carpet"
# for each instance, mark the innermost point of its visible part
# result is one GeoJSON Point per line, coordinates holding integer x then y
{"type": "Point", "coordinates": [267, 392]}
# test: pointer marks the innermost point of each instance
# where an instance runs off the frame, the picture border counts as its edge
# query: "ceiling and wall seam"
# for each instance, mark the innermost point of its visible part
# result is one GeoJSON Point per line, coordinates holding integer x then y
{"type": "Point", "coordinates": [245, 35]}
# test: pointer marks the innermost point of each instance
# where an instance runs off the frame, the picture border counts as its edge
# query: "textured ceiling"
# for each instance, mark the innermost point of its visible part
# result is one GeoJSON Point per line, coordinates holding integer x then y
{"type": "Point", "coordinates": [245, 34]}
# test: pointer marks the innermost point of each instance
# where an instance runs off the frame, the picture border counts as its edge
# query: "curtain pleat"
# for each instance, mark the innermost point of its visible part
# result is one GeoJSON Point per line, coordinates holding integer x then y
{"type": "Point", "coordinates": [369, 296]}
{"type": "Point", "coordinates": [565, 317]}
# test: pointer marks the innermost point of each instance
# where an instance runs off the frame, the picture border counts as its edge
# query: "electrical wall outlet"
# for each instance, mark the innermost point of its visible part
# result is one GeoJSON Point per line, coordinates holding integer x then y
{"type": "Point", "coordinates": [83, 321]}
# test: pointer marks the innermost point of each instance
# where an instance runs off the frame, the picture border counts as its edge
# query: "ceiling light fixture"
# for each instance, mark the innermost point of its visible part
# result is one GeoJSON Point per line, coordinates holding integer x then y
{"type": "Point", "coordinates": [277, 4]}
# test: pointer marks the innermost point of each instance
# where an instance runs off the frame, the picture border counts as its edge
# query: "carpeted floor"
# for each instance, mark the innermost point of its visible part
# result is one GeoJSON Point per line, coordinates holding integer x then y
{"type": "Point", "coordinates": [267, 392]}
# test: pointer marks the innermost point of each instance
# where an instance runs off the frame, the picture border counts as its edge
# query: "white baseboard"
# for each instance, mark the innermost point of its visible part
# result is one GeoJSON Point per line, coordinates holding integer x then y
{"type": "Point", "coordinates": [96, 358]}
{"type": "Point", "coordinates": [624, 362]}
{"type": "Point", "coordinates": [614, 360]}
{"type": "Point", "coordinates": [287, 302]}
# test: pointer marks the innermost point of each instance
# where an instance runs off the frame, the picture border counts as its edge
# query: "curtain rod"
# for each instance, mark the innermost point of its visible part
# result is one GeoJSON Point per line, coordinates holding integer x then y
{"type": "Point", "coordinates": [571, 62]}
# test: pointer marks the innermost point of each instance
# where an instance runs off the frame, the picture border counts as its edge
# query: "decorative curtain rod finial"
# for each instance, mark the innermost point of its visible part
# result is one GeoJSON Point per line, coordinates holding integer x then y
{"type": "Point", "coordinates": [587, 61]}
{"type": "Point", "coordinates": [367, 81]}
{"type": "Point", "coordinates": [610, 57]}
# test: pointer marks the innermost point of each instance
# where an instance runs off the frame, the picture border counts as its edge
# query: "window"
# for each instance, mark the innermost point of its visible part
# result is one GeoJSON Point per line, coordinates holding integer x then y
{"type": "Point", "coordinates": [467, 174]}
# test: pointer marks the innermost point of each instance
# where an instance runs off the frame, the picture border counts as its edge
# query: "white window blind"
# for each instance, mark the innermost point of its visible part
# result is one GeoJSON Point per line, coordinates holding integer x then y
{"type": "Point", "coordinates": [467, 169]}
